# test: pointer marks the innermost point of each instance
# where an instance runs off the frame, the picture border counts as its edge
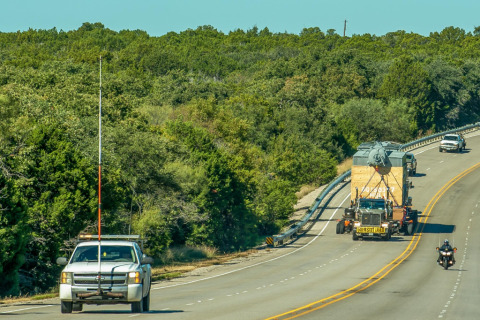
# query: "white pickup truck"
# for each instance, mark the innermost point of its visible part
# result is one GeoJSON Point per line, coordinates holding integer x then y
{"type": "Point", "coordinates": [122, 276]}
{"type": "Point", "coordinates": [452, 142]}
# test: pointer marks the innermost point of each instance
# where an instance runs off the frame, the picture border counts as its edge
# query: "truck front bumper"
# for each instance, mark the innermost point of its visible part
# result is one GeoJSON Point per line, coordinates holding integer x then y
{"type": "Point", "coordinates": [111, 295]}
{"type": "Point", "coordinates": [449, 147]}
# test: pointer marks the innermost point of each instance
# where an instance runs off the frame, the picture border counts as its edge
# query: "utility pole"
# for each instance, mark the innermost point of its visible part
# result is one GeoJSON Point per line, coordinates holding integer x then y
{"type": "Point", "coordinates": [344, 28]}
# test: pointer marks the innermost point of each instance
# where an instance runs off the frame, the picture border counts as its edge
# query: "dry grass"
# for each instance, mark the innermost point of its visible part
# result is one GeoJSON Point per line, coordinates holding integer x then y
{"type": "Point", "coordinates": [10, 300]}
{"type": "Point", "coordinates": [176, 269]}
{"type": "Point", "coordinates": [344, 166]}
{"type": "Point", "coordinates": [304, 190]}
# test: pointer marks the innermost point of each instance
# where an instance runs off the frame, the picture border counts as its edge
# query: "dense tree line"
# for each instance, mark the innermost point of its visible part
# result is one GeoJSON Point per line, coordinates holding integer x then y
{"type": "Point", "coordinates": [207, 136]}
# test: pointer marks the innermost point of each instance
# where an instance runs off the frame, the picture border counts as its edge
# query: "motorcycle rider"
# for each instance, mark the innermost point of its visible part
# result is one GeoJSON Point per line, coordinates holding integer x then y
{"type": "Point", "coordinates": [446, 246]}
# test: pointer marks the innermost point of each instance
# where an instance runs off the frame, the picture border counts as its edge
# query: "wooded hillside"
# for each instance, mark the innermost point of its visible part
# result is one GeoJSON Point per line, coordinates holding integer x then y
{"type": "Point", "coordinates": [206, 136]}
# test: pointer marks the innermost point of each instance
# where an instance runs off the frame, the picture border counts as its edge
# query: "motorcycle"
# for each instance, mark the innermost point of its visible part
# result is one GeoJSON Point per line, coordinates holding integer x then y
{"type": "Point", "coordinates": [446, 257]}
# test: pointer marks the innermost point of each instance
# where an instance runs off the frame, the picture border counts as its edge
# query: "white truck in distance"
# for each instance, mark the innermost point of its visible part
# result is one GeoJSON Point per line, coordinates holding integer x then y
{"type": "Point", "coordinates": [452, 142]}
{"type": "Point", "coordinates": [122, 276]}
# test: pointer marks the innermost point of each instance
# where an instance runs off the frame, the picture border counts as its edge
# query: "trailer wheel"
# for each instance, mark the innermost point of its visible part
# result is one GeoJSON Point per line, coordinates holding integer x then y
{"type": "Point", "coordinates": [409, 230]}
{"type": "Point", "coordinates": [342, 227]}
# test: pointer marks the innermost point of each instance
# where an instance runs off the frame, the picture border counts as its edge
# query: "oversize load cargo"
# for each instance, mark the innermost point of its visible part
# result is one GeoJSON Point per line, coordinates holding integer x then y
{"type": "Point", "coordinates": [370, 185]}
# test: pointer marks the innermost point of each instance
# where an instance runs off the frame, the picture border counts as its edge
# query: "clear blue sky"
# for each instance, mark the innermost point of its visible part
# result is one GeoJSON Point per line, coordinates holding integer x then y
{"type": "Point", "coordinates": [157, 17]}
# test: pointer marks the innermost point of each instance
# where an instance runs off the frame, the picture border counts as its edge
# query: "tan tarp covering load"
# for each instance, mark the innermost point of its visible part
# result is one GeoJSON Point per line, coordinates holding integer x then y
{"type": "Point", "coordinates": [370, 185]}
{"type": "Point", "coordinates": [377, 161]}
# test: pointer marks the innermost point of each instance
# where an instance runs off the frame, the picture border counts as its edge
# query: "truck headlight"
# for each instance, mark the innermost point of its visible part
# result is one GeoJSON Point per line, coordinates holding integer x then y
{"type": "Point", "coordinates": [66, 278]}
{"type": "Point", "coordinates": [356, 224]}
{"type": "Point", "coordinates": [385, 225]}
{"type": "Point", "coordinates": [134, 277]}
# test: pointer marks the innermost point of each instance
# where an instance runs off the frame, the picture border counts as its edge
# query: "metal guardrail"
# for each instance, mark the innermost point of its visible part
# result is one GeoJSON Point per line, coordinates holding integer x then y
{"type": "Point", "coordinates": [297, 227]}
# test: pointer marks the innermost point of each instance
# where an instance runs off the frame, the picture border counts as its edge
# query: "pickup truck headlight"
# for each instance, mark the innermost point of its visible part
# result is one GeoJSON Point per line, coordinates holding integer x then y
{"type": "Point", "coordinates": [356, 224]}
{"type": "Point", "coordinates": [66, 278]}
{"type": "Point", "coordinates": [134, 277]}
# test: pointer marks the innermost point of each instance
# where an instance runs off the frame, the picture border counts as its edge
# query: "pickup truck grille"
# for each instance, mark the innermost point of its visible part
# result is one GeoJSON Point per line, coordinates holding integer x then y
{"type": "Point", "coordinates": [110, 279]}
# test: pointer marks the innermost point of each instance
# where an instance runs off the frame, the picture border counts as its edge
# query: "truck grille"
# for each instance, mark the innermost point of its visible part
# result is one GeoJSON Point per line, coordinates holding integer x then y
{"type": "Point", "coordinates": [371, 219]}
{"type": "Point", "coordinates": [108, 279]}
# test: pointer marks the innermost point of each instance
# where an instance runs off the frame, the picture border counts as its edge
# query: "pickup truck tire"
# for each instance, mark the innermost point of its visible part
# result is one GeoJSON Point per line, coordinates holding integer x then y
{"type": "Point", "coordinates": [146, 302]}
{"type": "Point", "coordinates": [77, 307]}
{"type": "Point", "coordinates": [66, 306]}
{"type": "Point", "coordinates": [137, 307]}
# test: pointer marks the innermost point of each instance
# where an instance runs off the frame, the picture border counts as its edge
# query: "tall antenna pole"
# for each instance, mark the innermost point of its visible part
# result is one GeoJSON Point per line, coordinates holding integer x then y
{"type": "Point", "coordinates": [344, 28]}
{"type": "Point", "coordinates": [100, 157]}
{"type": "Point", "coordinates": [99, 277]}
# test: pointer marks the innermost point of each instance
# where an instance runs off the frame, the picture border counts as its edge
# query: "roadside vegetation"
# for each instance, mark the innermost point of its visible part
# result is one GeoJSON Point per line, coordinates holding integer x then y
{"type": "Point", "coordinates": [207, 136]}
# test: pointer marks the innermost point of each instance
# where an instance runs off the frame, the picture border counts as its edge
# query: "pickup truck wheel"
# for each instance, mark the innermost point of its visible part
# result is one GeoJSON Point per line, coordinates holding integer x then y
{"type": "Point", "coordinates": [77, 307]}
{"type": "Point", "coordinates": [66, 306]}
{"type": "Point", "coordinates": [137, 307]}
{"type": "Point", "coordinates": [146, 302]}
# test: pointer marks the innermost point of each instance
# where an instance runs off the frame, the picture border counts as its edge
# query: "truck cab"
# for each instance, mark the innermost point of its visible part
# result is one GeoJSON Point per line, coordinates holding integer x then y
{"type": "Point", "coordinates": [122, 276]}
{"type": "Point", "coordinates": [372, 219]}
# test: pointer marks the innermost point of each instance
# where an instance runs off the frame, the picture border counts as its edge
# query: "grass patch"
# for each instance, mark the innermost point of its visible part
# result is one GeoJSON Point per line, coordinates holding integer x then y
{"type": "Point", "coordinates": [26, 298]}
{"type": "Point", "coordinates": [304, 190]}
{"type": "Point", "coordinates": [344, 166]}
{"type": "Point", "coordinates": [177, 261]}
{"type": "Point", "coordinates": [183, 254]}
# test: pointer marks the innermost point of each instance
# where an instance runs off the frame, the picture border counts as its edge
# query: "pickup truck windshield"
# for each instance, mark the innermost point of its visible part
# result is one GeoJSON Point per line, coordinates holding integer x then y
{"type": "Point", "coordinates": [109, 253]}
{"type": "Point", "coordinates": [453, 138]}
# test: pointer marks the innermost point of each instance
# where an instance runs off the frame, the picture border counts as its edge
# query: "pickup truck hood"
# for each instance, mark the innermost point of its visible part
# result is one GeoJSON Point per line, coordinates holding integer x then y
{"type": "Point", "coordinates": [452, 142]}
{"type": "Point", "coordinates": [107, 267]}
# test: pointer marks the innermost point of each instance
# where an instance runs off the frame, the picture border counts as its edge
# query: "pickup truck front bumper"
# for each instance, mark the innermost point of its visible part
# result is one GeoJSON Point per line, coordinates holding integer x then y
{"type": "Point", "coordinates": [449, 147]}
{"type": "Point", "coordinates": [91, 294]}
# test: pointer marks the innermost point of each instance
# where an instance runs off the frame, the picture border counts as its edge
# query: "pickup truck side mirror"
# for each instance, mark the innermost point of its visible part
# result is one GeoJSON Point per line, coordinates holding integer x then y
{"type": "Point", "coordinates": [62, 261]}
{"type": "Point", "coordinates": [146, 260]}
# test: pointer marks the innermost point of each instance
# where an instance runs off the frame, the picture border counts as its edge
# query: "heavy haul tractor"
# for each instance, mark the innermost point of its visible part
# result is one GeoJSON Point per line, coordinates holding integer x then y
{"type": "Point", "coordinates": [380, 205]}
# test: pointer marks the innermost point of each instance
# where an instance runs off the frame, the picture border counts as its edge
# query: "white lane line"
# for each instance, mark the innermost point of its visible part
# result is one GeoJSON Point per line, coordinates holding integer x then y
{"type": "Point", "coordinates": [30, 308]}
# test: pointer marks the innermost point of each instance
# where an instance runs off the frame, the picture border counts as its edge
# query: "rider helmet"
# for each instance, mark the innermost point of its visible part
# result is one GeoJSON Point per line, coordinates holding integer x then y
{"type": "Point", "coordinates": [445, 242]}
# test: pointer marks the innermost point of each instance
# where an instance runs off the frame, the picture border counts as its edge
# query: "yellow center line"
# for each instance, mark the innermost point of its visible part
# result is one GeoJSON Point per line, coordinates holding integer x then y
{"type": "Point", "coordinates": [298, 312]}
